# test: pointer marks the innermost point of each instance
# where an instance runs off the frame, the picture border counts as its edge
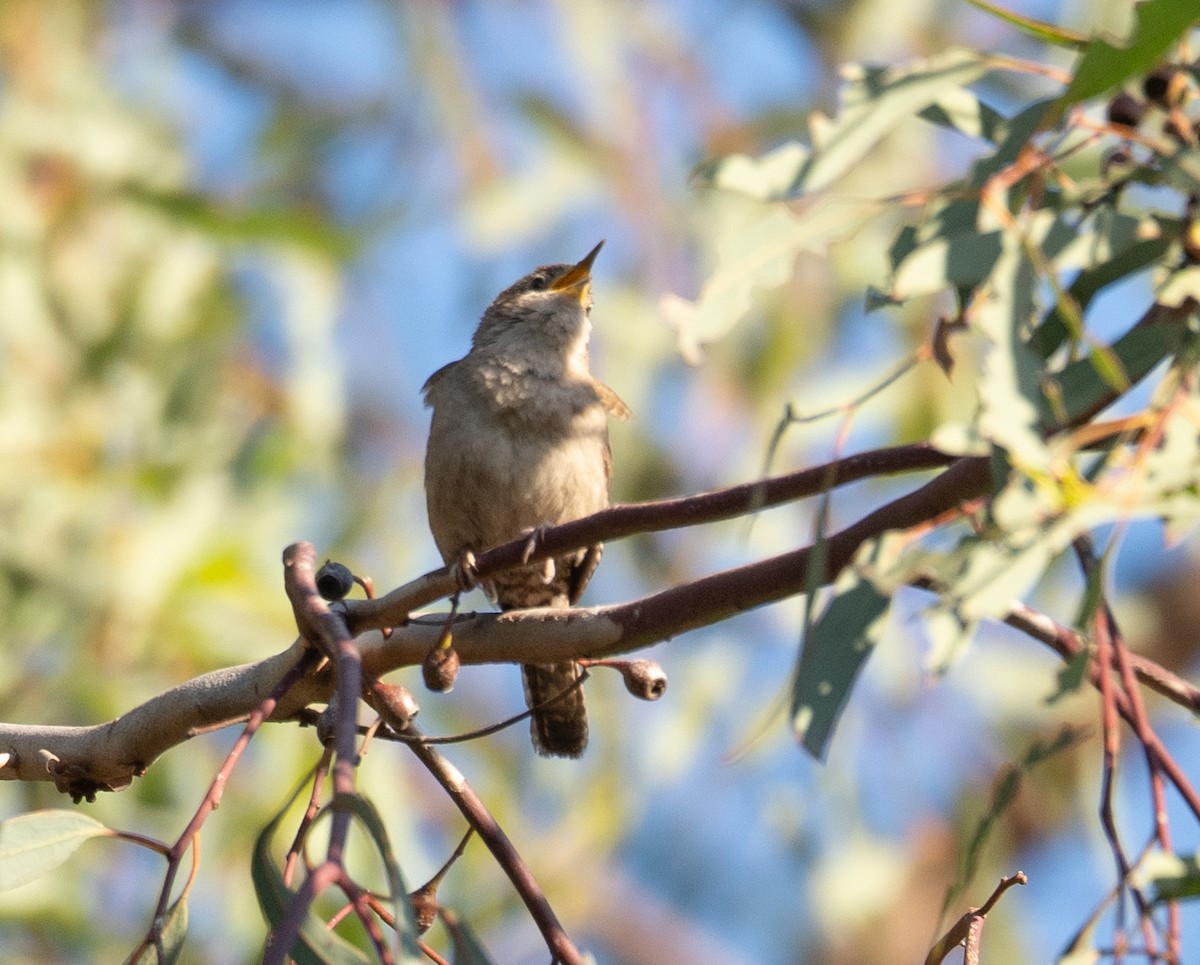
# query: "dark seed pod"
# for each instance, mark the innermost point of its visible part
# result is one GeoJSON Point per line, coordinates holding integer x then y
{"type": "Point", "coordinates": [440, 669]}
{"type": "Point", "coordinates": [1127, 110]}
{"type": "Point", "coordinates": [326, 722]}
{"type": "Point", "coordinates": [1161, 85]}
{"type": "Point", "coordinates": [645, 679]}
{"type": "Point", "coordinates": [334, 581]}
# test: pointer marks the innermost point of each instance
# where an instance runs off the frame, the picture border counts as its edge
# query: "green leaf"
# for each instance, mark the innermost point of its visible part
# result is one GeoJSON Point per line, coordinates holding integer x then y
{"type": "Point", "coordinates": [1181, 285]}
{"type": "Point", "coordinates": [1104, 67]}
{"type": "Point", "coordinates": [248, 226]}
{"type": "Point", "coordinates": [948, 261]}
{"type": "Point", "coordinates": [960, 110]}
{"type": "Point", "coordinates": [1169, 876]}
{"type": "Point", "coordinates": [406, 922]}
{"type": "Point", "coordinates": [833, 654]}
{"type": "Point", "coordinates": [33, 844]}
{"type": "Point", "coordinates": [468, 949]}
{"type": "Point", "coordinates": [315, 945]}
{"type": "Point", "coordinates": [1138, 351]}
{"type": "Point", "coordinates": [769, 177]}
{"type": "Point", "coordinates": [949, 634]}
{"type": "Point", "coordinates": [1038, 29]}
{"type": "Point", "coordinates": [1123, 260]}
{"type": "Point", "coordinates": [1015, 136]}
{"type": "Point", "coordinates": [874, 100]}
{"type": "Point", "coordinates": [760, 255]}
{"type": "Point", "coordinates": [1071, 676]}
{"type": "Point", "coordinates": [174, 931]}
{"type": "Point", "coordinates": [1010, 388]}
{"type": "Point", "coordinates": [1006, 787]}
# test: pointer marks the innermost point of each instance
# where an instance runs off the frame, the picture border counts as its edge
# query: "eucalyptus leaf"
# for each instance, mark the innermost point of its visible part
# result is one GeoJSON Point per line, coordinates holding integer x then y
{"type": "Point", "coordinates": [35, 843]}
{"type": "Point", "coordinates": [174, 931]}
{"type": "Point", "coordinates": [831, 659]}
{"type": "Point", "coordinates": [468, 949]}
{"type": "Point", "coordinates": [1169, 876]}
{"type": "Point", "coordinates": [758, 257]}
{"type": "Point", "coordinates": [1038, 29]}
{"type": "Point", "coordinates": [315, 944]}
{"type": "Point", "coordinates": [1105, 66]}
{"type": "Point", "coordinates": [874, 101]}
{"type": "Point", "coordinates": [406, 922]}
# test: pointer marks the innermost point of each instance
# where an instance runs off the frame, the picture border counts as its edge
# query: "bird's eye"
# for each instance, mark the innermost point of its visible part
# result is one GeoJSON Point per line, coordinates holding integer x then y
{"type": "Point", "coordinates": [538, 283]}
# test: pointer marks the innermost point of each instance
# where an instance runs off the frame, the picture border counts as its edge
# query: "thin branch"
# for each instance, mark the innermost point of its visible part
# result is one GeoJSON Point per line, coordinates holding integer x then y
{"type": "Point", "coordinates": [212, 799]}
{"type": "Point", "coordinates": [1068, 644]}
{"type": "Point", "coordinates": [105, 752]}
{"type": "Point", "coordinates": [481, 820]}
{"type": "Point", "coordinates": [967, 930]}
{"type": "Point", "coordinates": [617, 522]}
{"type": "Point", "coordinates": [327, 632]}
{"type": "Point", "coordinates": [109, 756]}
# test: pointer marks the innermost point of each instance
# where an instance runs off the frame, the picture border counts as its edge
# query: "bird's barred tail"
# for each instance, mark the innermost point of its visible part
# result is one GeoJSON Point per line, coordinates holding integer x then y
{"type": "Point", "coordinates": [559, 726]}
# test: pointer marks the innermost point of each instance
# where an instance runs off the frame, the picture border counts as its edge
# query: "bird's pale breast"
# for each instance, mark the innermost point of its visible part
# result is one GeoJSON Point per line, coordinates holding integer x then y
{"type": "Point", "coordinates": [498, 472]}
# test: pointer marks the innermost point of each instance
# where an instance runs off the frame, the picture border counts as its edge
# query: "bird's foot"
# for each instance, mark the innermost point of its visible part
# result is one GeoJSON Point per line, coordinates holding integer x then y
{"type": "Point", "coordinates": [532, 538]}
{"type": "Point", "coordinates": [464, 571]}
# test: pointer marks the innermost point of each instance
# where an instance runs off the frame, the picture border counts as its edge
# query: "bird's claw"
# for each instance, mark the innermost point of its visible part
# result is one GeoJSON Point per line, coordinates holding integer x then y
{"type": "Point", "coordinates": [532, 538]}
{"type": "Point", "coordinates": [464, 572]}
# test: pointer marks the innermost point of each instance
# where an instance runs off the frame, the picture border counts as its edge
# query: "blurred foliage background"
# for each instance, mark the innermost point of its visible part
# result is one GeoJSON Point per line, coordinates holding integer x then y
{"type": "Point", "coordinates": [237, 237]}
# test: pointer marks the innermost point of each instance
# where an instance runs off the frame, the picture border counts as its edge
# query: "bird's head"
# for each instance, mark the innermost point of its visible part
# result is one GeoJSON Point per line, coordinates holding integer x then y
{"type": "Point", "coordinates": [545, 312]}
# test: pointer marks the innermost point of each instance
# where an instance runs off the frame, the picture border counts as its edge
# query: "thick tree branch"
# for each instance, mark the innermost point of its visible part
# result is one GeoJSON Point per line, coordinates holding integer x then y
{"type": "Point", "coordinates": [111, 754]}
{"type": "Point", "coordinates": [651, 517]}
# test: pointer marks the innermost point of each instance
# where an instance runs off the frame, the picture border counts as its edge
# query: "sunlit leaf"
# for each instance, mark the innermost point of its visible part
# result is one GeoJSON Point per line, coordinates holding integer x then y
{"type": "Point", "coordinates": [950, 261]}
{"type": "Point", "coordinates": [1180, 287]}
{"type": "Point", "coordinates": [768, 177]}
{"type": "Point", "coordinates": [874, 100]}
{"type": "Point", "coordinates": [1169, 877]}
{"type": "Point", "coordinates": [949, 635]}
{"type": "Point", "coordinates": [960, 110]}
{"type": "Point", "coordinates": [758, 257]}
{"type": "Point", "coordinates": [831, 658]}
{"type": "Point", "coordinates": [1010, 390]}
{"type": "Point", "coordinates": [35, 843]}
{"type": "Point", "coordinates": [1104, 66]}
{"type": "Point", "coordinates": [1038, 29]}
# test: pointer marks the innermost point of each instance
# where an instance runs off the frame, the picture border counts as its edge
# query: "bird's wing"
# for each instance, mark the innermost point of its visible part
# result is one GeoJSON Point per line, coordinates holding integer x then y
{"type": "Point", "coordinates": [431, 383]}
{"type": "Point", "coordinates": [610, 400]}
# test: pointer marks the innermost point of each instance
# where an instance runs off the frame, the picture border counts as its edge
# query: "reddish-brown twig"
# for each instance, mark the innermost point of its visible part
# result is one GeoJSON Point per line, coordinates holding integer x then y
{"type": "Point", "coordinates": [968, 930]}
{"type": "Point", "coordinates": [485, 825]}
{"type": "Point", "coordinates": [326, 632]}
{"type": "Point", "coordinates": [213, 798]}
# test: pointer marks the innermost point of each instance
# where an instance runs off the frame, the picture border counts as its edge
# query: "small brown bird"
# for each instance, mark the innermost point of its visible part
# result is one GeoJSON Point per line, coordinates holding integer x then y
{"type": "Point", "coordinates": [519, 440]}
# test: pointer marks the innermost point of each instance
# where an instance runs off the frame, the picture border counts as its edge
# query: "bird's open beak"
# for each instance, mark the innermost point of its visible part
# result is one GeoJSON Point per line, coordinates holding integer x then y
{"type": "Point", "coordinates": [576, 277]}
